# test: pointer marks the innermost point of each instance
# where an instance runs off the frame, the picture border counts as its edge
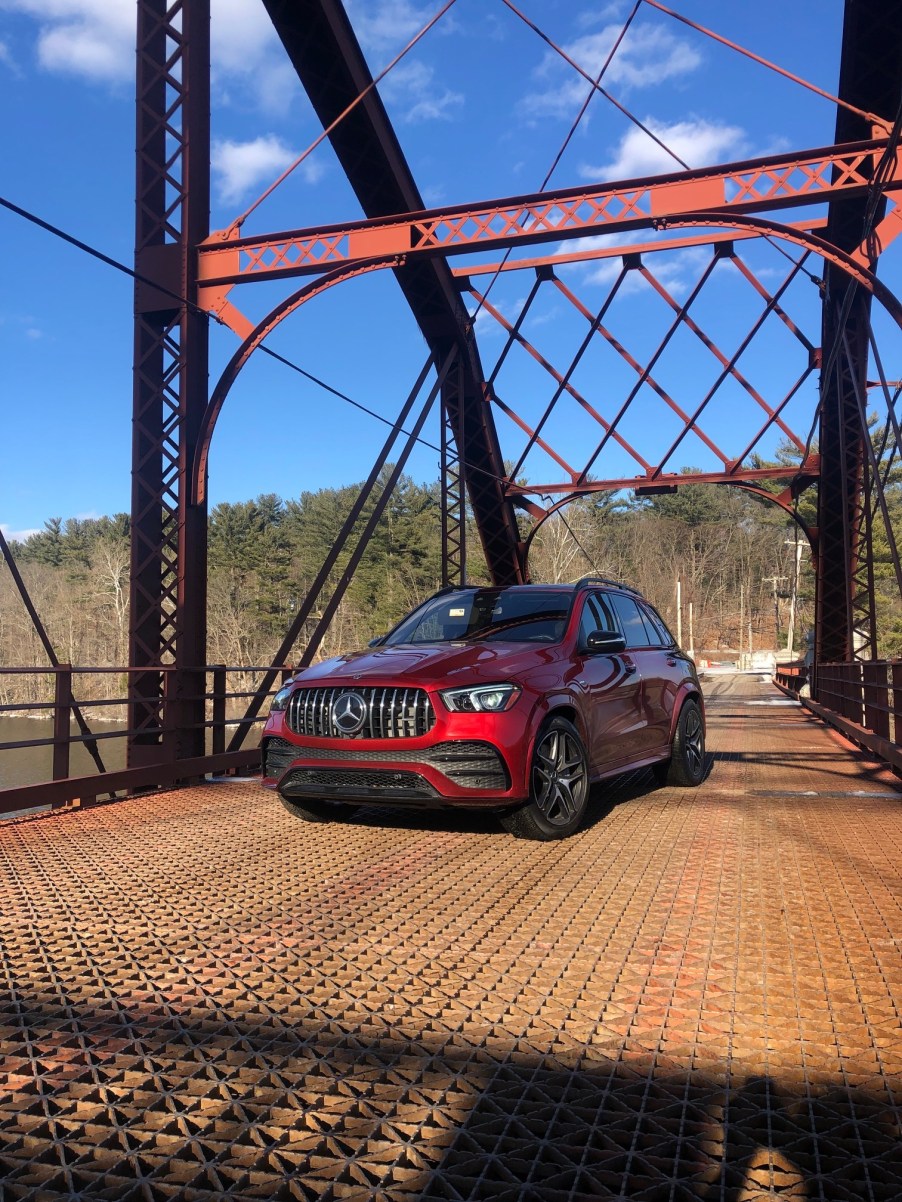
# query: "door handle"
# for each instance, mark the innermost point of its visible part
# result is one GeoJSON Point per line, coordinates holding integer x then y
{"type": "Point", "coordinates": [671, 662]}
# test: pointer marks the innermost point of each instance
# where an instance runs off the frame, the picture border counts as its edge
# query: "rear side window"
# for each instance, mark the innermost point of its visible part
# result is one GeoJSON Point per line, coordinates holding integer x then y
{"type": "Point", "coordinates": [631, 622]}
{"type": "Point", "coordinates": [656, 623]}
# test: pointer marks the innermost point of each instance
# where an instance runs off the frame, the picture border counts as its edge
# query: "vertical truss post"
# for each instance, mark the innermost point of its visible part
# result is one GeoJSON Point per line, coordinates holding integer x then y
{"type": "Point", "coordinates": [844, 612]}
{"type": "Point", "coordinates": [454, 486]}
{"type": "Point", "coordinates": [169, 552]}
{"type": "Point", "coordinates": [842, 627]}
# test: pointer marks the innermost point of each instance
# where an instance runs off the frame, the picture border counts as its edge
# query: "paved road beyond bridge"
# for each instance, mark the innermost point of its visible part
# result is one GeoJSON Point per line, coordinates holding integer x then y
{"type": "Point", "coordinates": [697, 997]}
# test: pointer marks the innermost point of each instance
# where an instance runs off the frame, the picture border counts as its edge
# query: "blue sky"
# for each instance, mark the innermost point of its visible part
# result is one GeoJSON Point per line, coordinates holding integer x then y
{"type": "Point", "coordinates": [481, 106]}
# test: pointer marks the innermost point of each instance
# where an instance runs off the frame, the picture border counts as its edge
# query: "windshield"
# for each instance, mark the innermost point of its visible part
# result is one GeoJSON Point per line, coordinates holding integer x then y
{"type": "Point", "coordinates": [521, 614]}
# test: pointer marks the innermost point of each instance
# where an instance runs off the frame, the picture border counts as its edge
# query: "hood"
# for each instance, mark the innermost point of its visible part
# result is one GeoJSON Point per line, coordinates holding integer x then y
{"type": "Point", "coordinates": [447, 664]}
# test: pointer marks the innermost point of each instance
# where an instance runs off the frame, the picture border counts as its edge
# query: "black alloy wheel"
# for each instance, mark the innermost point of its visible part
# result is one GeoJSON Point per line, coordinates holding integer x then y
{"type": "Point", "coordinates": [559, 786]}
{"type": "Point", "coordinates": [686, 766]}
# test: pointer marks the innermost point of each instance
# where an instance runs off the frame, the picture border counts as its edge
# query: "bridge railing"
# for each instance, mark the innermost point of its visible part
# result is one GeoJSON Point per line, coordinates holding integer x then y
{"type": "Point", "coordinates": [81, 759]}
{"type": "Point", "coordinates": [862, 699]}
{"type": "Point", "coordinates": [791, 677]}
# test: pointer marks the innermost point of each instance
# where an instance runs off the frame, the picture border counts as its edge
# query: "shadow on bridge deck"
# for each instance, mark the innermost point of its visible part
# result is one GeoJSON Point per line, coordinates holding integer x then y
{"type": "Point", "coordinates": [697, 997]}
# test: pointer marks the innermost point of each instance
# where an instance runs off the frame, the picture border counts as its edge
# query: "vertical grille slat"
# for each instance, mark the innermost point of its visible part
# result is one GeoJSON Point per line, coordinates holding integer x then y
{"type": "Point", "coordinates": [391, 713]}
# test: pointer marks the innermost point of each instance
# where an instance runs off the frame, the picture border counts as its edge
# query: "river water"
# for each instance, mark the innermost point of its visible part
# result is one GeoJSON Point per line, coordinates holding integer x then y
{"type": "Point", "coordinates": [29, 765]}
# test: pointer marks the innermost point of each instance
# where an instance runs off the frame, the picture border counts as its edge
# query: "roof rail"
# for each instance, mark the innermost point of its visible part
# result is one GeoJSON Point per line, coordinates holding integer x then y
{"type": "Point", "coordinates": [589, 581]}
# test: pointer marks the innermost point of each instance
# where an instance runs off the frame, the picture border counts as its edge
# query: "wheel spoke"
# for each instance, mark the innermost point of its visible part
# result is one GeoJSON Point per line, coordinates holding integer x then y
{"type": "Point", "coordinates": [693, 742]}
{"type": "Point", "coordinates": [566, 807]}
{"type": "Point", "coordinates": [560, 778]}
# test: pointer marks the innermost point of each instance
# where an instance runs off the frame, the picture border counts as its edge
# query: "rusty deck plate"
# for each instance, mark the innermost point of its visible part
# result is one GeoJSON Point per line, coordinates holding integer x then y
{"type": "Point", "coordinates": [697, 997]}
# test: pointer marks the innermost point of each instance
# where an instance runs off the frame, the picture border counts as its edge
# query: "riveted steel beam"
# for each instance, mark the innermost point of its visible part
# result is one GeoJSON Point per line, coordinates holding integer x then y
{"type": "Point", "coordinates": [870, 77]}
{"type": "Point", "coordinates": [761, 185]}
{"type": "Point", "coordinates": [169, 531]}
{"type": "Point", "coordinates": [323, 48]}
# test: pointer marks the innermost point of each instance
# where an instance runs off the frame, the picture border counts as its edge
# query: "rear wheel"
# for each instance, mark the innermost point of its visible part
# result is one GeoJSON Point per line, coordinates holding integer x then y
{"type": "Point", "coordinates": [558, 786]}
{"type": "Point", "coordinates": [316, 809]}
{"type": "Point", "coordinates": [686, 766]}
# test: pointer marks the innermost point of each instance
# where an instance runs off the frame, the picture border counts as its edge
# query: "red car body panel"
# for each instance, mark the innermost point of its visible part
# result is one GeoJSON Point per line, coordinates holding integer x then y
{"type": "Point", "coordinates": [625, 706]}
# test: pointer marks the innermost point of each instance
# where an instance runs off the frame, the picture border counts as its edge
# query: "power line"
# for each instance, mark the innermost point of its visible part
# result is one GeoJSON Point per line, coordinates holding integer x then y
{"type": "Point", "coordinates": [55, 230]}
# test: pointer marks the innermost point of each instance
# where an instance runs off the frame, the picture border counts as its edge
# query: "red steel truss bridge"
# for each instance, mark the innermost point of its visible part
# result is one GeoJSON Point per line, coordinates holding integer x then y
{"type": "Point", "coordinates": [695, 998]}
{"type": "Point", "coordinates": [787, 247]}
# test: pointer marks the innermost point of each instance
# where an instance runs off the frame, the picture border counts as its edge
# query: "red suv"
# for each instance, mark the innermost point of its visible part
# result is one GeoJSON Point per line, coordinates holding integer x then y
{"type": "Point", "coordinates": [513, 699]}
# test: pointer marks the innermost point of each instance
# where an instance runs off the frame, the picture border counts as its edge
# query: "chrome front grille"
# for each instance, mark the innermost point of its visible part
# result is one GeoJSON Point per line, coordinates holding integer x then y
{"type": "Point", "coordinates": [391, 713]}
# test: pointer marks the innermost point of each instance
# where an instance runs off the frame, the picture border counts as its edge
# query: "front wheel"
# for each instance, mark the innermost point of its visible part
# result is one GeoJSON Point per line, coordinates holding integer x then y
{"type": "Point", "coordinates": [316, 809]}
{"type": "Point", "coordinates": [686, 766]}
{"type": "Point", "coordinates": [558, 786]}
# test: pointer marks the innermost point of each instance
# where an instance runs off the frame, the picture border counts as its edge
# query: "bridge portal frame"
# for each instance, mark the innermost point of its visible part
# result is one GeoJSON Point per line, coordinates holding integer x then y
{"type": "Point", "coordinates": [185, 275]}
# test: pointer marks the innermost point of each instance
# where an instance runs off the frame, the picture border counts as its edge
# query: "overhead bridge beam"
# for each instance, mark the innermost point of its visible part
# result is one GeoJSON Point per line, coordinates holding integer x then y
{"type": "Point", "coordinates": [756, 186]}
{"type": "Point", "coordinates": [324, 50]}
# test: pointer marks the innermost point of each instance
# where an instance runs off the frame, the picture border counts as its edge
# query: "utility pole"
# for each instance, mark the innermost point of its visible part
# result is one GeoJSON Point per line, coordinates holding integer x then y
{"type": "Point", "coordinates": [742, 617]}
{"type": "Point", "coordinates": [793, 596]}
{"type": "Point", "coordinates": [774, 581]}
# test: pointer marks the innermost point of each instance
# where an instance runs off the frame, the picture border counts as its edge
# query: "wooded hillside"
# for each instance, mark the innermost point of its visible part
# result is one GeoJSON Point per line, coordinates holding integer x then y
{"type": "Point", "coordinates": [734, 556]}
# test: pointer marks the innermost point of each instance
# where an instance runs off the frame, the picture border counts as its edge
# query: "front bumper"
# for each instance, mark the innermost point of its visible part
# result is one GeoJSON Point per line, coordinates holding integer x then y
{"type": "Point", "coordinates": [453, 765]}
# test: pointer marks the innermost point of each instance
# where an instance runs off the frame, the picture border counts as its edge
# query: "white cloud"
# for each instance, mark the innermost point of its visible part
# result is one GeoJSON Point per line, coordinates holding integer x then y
{"type": "Point", "coordinates": [95, 39]}
{"type": "Point", "coordinates": [677, 271]}
{"type": "Point", "coordinates": [412, 86]}
{"type": "Point", "coordinates": [92, 38]}
{"type": "Point", "coordinates": [242, 166]}
{"type": "Point", "coordinates": [241, 34]}
{"type": "Point", "coordinates": [697, 142]}
{"type": "Point", "coordinates": [18, 536]}
{"type": "Point", "coordinates": [384, 28]}
{"type": "Point", "coordinates": [592, 17]}
{"type": "Point", "coordinates": [388, 25]}
{"type": "Point", "coordinates": [648, 55]}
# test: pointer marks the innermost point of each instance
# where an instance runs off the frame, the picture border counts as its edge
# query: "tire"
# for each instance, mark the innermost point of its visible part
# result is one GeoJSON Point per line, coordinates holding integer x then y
{"type": "Point", "coordinates": [316, 809]}
{"type": "Point", "coordinates": [686, 767]}
{"type": "Point", "coordinates": [558, 786]}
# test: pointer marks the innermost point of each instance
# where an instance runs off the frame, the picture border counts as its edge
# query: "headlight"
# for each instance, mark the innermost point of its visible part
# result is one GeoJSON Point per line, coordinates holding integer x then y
{"type": "Point", "coordinates": [280, 701]}
{"type": "Point", "coordinates": [481, 698]}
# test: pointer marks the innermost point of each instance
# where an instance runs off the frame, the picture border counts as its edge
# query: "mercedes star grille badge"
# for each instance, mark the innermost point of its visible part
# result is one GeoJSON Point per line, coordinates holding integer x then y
{"type": "Point", "coordinates": [349, 713]}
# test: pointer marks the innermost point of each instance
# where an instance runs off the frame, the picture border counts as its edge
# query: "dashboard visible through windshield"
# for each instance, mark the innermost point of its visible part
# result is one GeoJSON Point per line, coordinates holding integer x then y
{"type": "Point", "coordinates": [517, 615]}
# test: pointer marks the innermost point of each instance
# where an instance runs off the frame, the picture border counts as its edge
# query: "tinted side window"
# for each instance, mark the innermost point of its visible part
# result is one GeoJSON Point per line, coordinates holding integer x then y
{"type": "Point", "coordinates": [606, 619]}
{"type": "Point", "coordinates": [652, 615]}
{"type": "Point", "coordinates": [596, 615]}
{"type": "Point", "coordinates": [588, 621]}
{"type": "Point", "coordinates": [652, 630]}
{"type": "Point", "coordinates": [630, 620]}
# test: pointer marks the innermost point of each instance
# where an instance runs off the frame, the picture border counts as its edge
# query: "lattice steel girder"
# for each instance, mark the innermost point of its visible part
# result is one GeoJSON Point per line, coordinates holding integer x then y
{"type": "Point", "coordinates": [169, 531]}
{"type": "Point", "coordinates": [757, 185]}
{"type": "Point", "coordinates": [324, 50]}
{"type": "Point", "coordinates": [870, 77]}
{"type": "Point", "coordinates": [454, 492]}
{"type": "Point", "coordinates": [807, 471]}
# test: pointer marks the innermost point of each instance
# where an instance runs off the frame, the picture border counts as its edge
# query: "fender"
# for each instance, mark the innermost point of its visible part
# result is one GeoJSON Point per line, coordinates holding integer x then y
{"type": "Point", "coordinates": [688, 688]}
{"type": "Point", "coordinates": [545, 705]}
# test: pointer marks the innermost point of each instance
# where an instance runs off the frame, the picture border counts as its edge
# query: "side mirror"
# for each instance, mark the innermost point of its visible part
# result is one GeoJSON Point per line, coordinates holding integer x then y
{"type": "Point", "coordinates": [376, 642]}
{"type": "Point", "coordinates": [605, 642]}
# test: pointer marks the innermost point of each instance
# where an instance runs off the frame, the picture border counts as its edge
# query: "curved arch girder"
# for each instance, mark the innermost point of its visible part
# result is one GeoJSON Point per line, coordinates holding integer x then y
{"type": "Point", "coordinates": [254, 340]}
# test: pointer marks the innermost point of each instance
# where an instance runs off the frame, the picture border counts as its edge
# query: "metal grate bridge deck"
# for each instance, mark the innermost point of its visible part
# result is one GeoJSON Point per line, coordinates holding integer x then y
{"type": "Point", "coordinates": [697, 997]}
